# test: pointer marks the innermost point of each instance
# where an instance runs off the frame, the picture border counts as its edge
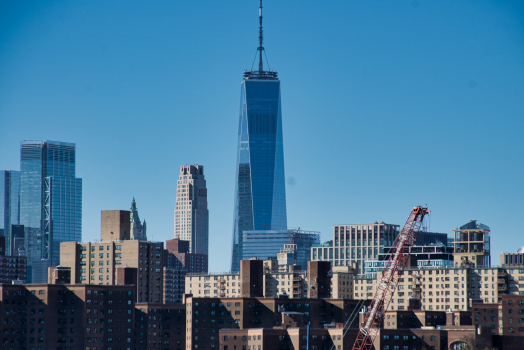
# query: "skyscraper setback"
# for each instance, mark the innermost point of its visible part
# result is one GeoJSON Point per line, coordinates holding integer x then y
{"type": "Point", "coordinates": [50, 199]}
{"type": "Point", "coordinates": [260, 194]}
{"type": "Point", "coordinates": [191, 213]}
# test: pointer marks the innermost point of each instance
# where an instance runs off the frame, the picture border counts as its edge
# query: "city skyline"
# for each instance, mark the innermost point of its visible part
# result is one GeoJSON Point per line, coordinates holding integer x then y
{"type": "Point", "coordinates": [380, 84]}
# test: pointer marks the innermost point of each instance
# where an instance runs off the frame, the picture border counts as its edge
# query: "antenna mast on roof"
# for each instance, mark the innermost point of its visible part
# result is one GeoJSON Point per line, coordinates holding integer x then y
{"type": "Point", "coordinates": [260, 39]}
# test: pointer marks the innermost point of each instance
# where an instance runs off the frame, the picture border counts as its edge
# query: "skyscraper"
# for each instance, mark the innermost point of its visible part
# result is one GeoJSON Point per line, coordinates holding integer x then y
{"type": "Point", "coordinates": [260, 194]}
{"type": "Point", "coordinates": [138, 229]}
{"type": "Point", "coordinates": [50, 199]}
{"type": "Point", "coordinates": [191, 213]}
{"type": "Point", "coordinates": [9, 203]}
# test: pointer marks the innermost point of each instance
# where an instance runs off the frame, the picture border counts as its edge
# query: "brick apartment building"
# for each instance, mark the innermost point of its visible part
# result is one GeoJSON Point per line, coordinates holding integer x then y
{"type": "Point", "coordinates": [43, 316]}
{"type": "Point", "coordinates": [98, 263]}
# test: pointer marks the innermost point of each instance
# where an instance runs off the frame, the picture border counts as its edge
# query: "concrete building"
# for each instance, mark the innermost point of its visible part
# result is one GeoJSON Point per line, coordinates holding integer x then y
{"type": "Point", "coordinates": [358, 243]}
{"type": "Point", "coordinates": [514, 263]}
{"type": "Point", "coordinates": [513, 260]}
{"type": "Point", "coordinates": [191, 213]}
{"type": "Point", "coordinates": [472, 245]}
{"type": "Point", "coordinates": [100, 262]}
{"type": "Point", "coordinates": [353, 244]}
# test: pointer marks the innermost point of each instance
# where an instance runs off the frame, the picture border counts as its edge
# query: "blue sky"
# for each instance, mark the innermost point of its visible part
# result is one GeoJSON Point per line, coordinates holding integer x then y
{"type": "Point", "coordinates": [386, 105]}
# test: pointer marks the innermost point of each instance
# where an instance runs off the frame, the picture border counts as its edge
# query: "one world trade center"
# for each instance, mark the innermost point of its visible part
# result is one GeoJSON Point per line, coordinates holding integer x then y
{"type": "Point", "coordinates": [260, 194]}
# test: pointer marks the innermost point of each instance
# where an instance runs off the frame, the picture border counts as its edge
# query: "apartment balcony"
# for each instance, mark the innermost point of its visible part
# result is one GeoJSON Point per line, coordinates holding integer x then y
{"type": "Point", "coordinates": [501, 280]}
{"type": "Point", "coordinates": [502, 288]}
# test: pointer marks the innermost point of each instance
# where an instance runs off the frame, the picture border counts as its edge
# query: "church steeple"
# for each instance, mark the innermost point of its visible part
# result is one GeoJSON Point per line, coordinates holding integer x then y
{"type": "Point", "coordinates": [138, 231]}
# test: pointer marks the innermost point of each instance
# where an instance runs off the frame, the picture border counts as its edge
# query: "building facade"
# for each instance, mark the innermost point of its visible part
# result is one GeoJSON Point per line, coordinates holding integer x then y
{"type": "Point", "coordinates": [9, 203]}
{"type": "Point", "coordinates": [44, 316]}
{"type": "Point", "coordinates": [473, 245]}
{"type": "Point", "coordinates": [353, 244]}
{"type": "Point", "coordinates": [267, 244]}
{"type": "Point", "coordinates": [440, 288]}
{"type": "Point", "coordinates": [191, 213]}
{"type": "Point", "coordinates": [105, 262]}
{"type": "Point", "coordinates": [50, 200]}
{"type": "Point", "coordinates": [424, 257]}
{"type": "Point", "coordinates": [260, 193]}
{"type": "Point", "coordinates": [177, 256]}
{"type": "Point", "coordinates": [138, 229]}
{"type": "Point", "coordinates": [505, 317]}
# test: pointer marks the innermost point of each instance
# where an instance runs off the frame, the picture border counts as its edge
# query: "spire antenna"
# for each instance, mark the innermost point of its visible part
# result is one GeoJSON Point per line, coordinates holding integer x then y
{"type": "Point", "coordinates": [260, 40]}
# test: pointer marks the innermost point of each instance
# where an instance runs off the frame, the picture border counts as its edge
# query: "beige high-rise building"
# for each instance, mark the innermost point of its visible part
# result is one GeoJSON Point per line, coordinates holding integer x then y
{"type": "Point", "coordinates": [291, 283]}
{"type": "Point", "coordinates": [102, 262]}
{"type": "Point", "coordinates": [342, 278]}
{"type": "Point", "coordinates": [440, 289]}
{"type": "Point", "coordinates": [191, 213]}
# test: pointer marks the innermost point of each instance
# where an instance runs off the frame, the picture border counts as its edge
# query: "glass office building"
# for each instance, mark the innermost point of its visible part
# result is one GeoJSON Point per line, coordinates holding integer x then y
{"type": "Point", "coordinates": [266, 244]}
{"type": "Point", "coordinates": [9, 203]}
{"type": "Point", "coordinates": [50, 199]}
{"type": "Point", "coordinates": [260, 194]}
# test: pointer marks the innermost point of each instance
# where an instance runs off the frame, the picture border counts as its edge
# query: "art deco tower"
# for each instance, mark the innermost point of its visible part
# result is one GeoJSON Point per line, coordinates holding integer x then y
{"type": "Point", "coordinates": [191, 213]}
{"type": "Point", "coordinates": [260, 194]}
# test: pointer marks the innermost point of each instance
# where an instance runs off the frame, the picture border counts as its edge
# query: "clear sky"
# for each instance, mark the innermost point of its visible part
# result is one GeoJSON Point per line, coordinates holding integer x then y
{"type": "Point", "coordinates": [386, 105]}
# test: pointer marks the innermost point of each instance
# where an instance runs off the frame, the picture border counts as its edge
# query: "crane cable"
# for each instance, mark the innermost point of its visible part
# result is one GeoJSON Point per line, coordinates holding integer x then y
{"type": "Point", "coordinates": [350, 319]}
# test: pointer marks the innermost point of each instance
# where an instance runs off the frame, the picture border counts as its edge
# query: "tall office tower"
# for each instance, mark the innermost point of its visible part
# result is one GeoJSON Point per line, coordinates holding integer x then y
{"type": "Point", "coordinates": [138, 229]}
{"type": "Point", "coordinates": [260, 194]}
{"type": "Point", "coordinates": [50, 200]}
{"type": "Point", "coordinates": [9, 203]}
{"type": "Point", "coordinates": [191, 213]}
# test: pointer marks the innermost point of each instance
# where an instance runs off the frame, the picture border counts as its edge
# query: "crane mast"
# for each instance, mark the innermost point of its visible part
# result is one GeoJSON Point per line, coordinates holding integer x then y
{"type": "Point", "coordinates": [388, 284]}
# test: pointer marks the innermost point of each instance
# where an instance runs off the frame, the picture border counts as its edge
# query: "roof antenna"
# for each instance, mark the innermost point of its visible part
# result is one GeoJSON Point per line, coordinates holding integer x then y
{"type": "Point", "coordinates": [260, 39]}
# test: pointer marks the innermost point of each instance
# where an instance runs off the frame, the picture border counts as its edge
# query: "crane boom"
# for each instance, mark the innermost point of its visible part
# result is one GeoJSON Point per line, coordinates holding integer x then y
{"type": "Point", "coordinates": [388, 284]}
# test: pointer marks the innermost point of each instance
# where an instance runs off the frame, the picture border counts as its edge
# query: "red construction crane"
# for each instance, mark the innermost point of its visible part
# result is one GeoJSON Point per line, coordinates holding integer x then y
{"type": "Point", "coordinates": [388, 284]}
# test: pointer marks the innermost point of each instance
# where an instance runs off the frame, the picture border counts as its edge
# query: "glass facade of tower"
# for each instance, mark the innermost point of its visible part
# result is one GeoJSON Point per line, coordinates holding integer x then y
{"type": "Point", "coordinates": [9, 203]}
{"type": "Point", "coordinates": [260, 194]}
{"type": "Point", "coordinates": [50, 198]}
{"type": "Point", "coordinates": [266, 245]}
